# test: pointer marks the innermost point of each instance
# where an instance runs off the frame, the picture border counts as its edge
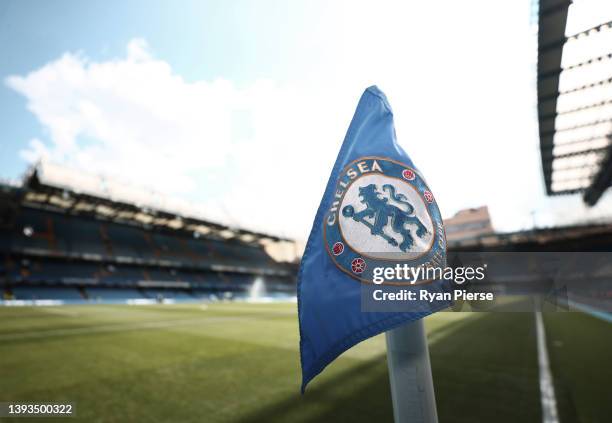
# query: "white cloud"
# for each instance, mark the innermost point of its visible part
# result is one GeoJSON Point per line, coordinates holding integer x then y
{"type": "Point", "coordinates": [132, 117]}
{"type": "Point", "coordinates": [462, 88]}
{"type": "Point", "coordinates": [135, 119]}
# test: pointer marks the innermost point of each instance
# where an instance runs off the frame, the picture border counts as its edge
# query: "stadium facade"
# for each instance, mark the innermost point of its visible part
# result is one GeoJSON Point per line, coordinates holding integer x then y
{"type": "Point", "coordinates": [468, 223]}
{"type": "Point", "coordinates": [67, 237]}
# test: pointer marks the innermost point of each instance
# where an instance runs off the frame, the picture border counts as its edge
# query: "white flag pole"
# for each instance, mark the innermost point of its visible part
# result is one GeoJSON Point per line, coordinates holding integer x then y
{"type": "Point", "coordinates": [412, 388]}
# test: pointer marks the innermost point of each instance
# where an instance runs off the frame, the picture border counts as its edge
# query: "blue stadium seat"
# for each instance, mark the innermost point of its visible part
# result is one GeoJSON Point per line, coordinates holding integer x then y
{"type": "Point", "coordinates": [66, 294]}
{"type": "Point", "coordinates": [112, 294]}
{"type": "Point", "coordinates": [128, 241]}
{"type": "Point", "coordinates": [6, 239]}
{"type": "Point", "coordinates": [176, 248]}
{"type": "Point", "coordinates": [121, 275]}
{"type": "Point", "coordinates": [66, 272]}
{"type": "Point", "coordinates": [38, 222]}
{"type": "Point", "coordinates": [80, 235]}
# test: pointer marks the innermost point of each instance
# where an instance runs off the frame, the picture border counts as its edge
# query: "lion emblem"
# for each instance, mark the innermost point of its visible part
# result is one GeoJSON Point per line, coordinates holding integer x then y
{"type": "Point", "coordinates": [379, 209]}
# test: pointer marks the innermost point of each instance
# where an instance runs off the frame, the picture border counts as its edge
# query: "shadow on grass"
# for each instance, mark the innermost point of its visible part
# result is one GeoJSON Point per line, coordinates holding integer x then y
{"type": "Point", "coordinates": [579, 348]}
{"type": "Point", "coordinates": [337, 399]}
{"type": "Point", "coordinates": [361, 392]}
{"type": "Point", "coordinates": [487, 370]}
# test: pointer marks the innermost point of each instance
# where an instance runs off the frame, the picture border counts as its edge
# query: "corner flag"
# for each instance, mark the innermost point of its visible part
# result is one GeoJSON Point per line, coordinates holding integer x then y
{"type": "Point", "coordinates": [376, 211]}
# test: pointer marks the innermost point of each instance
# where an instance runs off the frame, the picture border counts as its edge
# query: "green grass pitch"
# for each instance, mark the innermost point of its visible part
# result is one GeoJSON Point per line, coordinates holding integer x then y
{"type": "Point", "coordinates": [239, 362]}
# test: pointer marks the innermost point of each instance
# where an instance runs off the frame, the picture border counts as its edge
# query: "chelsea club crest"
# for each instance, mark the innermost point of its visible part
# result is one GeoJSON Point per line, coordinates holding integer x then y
{"type": "Point", "coordinates": [382, 214]}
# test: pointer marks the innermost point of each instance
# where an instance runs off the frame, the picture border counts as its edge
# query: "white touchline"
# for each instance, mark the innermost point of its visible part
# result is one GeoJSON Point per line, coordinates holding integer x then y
{"type": "Point", "coordinates": [547, 389]}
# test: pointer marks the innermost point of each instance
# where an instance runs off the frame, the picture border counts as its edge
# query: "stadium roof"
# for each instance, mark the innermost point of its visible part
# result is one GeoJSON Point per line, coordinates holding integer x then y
{"type": "Point", "coordinates": [79, 193]}
{"type": "Point", "coordinates": [574, 84]}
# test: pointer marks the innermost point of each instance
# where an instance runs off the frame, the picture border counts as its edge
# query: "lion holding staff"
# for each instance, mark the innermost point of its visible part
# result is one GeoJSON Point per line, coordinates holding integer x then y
{"type": "Point", "coordinates": [378, 208]}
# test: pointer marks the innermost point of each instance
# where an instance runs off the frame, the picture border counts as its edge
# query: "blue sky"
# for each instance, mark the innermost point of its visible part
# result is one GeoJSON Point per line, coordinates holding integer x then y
{"type": "Point", "coordinates": [186, 34]}
{"type": "Point", "coordinates": [242, 105]}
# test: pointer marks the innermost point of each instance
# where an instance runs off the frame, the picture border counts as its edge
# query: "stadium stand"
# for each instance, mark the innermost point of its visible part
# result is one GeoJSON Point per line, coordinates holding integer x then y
{"type": "Point", "coordinates": [574, 73]}
{"type": "Point", "coordinates": [59, 241]}
{"type": "Point", "coordinates": [44, 292]}
{"type": "Point", "coordinates": [101, 294]}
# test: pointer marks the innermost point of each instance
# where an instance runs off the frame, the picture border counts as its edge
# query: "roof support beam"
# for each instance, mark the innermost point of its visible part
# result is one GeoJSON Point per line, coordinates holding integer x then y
{"type": "Point", "coordinates": [601, 181]}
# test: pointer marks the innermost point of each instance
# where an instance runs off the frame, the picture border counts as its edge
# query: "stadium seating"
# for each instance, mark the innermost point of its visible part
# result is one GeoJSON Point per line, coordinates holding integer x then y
{"type": "Point", "coordinates": [52, 255]}
{"type": "Point", "coordinates": [47, 293]}
{"type": "Point", "coordinates": [175, 295]}
{"type": "Point", "coordinates": [82, 235]}
{"type": "Point", "coordinates": [121, 275]}
{"type": "Point", "coordinates": [127, 241]}
{"type": "Point", "coordinates": [62, 234]}
{"type": "Point", "coordinates": [98, 294]}
{"type": "Point", "coordinates": [33, 230]}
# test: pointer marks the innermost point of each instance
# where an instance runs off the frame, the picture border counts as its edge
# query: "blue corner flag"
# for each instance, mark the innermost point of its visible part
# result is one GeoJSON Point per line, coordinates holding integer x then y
{"type": "Point", "coordinates": [377, 211]}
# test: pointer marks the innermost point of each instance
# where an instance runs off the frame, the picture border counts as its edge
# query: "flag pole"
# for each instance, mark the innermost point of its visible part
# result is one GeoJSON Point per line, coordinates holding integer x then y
{"type": "Point", "coordinates": [410, 374]}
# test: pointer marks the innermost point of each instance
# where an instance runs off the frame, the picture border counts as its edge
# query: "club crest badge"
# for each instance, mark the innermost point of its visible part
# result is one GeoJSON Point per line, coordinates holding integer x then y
{"type": "Point", "coordinates": [382, 214]}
